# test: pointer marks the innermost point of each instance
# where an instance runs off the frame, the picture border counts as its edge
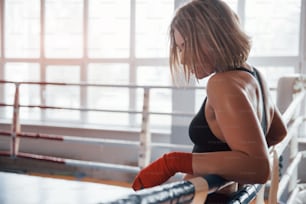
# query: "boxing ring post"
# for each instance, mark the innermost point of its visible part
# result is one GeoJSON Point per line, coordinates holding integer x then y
{"type": "Point", "coordinates": [15, 129]}
{"type": "Point", "coordinates": [145, 135]}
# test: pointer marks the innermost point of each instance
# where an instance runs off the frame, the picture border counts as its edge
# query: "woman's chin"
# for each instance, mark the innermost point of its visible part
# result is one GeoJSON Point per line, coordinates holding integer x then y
{"type": "Point", "coordinates": [202, 75]}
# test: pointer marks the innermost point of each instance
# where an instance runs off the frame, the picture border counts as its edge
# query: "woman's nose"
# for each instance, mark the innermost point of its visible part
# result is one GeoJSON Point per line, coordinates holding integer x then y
{"type": "Point", "coordinates": [182, 57]}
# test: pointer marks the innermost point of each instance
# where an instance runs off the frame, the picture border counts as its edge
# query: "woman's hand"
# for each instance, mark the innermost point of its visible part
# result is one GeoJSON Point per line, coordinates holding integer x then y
{"type": "Point", "coordinates": [162, 169]}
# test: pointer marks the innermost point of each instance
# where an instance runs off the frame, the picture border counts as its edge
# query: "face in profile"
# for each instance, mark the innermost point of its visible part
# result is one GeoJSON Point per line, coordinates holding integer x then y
{"type": "Point", "coordinates": [206, 37]}
{"type": "Point", "coordinates": [199, 71]}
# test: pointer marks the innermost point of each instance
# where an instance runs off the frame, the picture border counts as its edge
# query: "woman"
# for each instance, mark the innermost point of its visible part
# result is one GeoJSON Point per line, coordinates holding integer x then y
{"type": "Point", "coordinates": [238, 120]}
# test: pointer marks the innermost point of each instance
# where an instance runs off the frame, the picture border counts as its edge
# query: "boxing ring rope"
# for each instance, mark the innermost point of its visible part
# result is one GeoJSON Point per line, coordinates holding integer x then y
{"type": "Point", "coordinates": [181, 192]}
{"type": "Point", "coordinates": [144, 141]}
{"type": "Point", "coordinates": [145, 144]}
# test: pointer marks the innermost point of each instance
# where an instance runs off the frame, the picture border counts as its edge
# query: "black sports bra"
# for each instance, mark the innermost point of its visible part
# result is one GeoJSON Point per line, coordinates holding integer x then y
{"type": "Point", "coordinates": [200, 133]}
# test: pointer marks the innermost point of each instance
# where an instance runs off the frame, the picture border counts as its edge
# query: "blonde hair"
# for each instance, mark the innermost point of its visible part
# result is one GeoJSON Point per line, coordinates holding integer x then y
{"type": "Point", "coordinates": [212, 37]}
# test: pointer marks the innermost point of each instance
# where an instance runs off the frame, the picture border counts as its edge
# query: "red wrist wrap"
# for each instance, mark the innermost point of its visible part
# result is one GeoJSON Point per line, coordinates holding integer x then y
{"type": "Point", "coordinates": [162, 169]}
{"type": "Point", "coordinates": [178, 162]}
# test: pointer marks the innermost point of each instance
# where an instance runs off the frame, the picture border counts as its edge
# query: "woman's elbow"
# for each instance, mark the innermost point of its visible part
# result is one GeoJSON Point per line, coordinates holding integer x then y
{"type": "Point", "coordinates": [263, 172]}
{"type": "Point", "coordinates": [276, 137]}
{"type": "Point", "coordinates": [283, 132]}
{"type": "Point", "coordinates": [278, 131]}
{"type": "Point", "coordinates": [257, 173]}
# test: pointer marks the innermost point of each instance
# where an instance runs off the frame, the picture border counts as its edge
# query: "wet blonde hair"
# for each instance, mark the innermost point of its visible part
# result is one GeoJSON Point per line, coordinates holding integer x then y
{"type": "Point", "coordinates": [212, 37]}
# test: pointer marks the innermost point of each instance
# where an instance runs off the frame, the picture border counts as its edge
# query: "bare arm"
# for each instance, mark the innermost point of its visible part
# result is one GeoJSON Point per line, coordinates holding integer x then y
{"type": "Point", "coordinates": [277, 131]}
{"type": "Point", "coordinates": [238, 121]}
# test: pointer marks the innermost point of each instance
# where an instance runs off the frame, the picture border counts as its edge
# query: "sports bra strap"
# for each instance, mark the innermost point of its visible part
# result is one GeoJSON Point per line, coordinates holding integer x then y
{"type": "Point", "coordinates": [245, 69]}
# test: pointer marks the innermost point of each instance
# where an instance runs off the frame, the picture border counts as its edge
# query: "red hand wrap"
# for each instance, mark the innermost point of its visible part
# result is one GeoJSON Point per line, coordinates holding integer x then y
{"type": "Point", "coordinates": [162, 169]}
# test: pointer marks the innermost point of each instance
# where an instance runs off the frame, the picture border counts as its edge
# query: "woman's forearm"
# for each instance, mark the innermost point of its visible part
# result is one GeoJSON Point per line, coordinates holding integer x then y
{"type": "Point", "coordinates": [233, 166]}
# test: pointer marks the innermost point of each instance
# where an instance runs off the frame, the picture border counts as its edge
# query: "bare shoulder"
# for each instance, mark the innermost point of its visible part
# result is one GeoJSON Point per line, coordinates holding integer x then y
{"type": "Point", "coordinates": [233, 98]}
{"type": "Point", "coordinates": [218, 82]}
{"type": "Point", "coordinates": [229, 84]}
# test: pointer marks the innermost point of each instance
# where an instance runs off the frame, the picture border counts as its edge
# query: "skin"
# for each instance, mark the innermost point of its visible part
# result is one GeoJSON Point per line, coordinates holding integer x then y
{"type": "Point", "coordinates": [233, 111]}
{"type": "Point", "coordinates": [180, 43]}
